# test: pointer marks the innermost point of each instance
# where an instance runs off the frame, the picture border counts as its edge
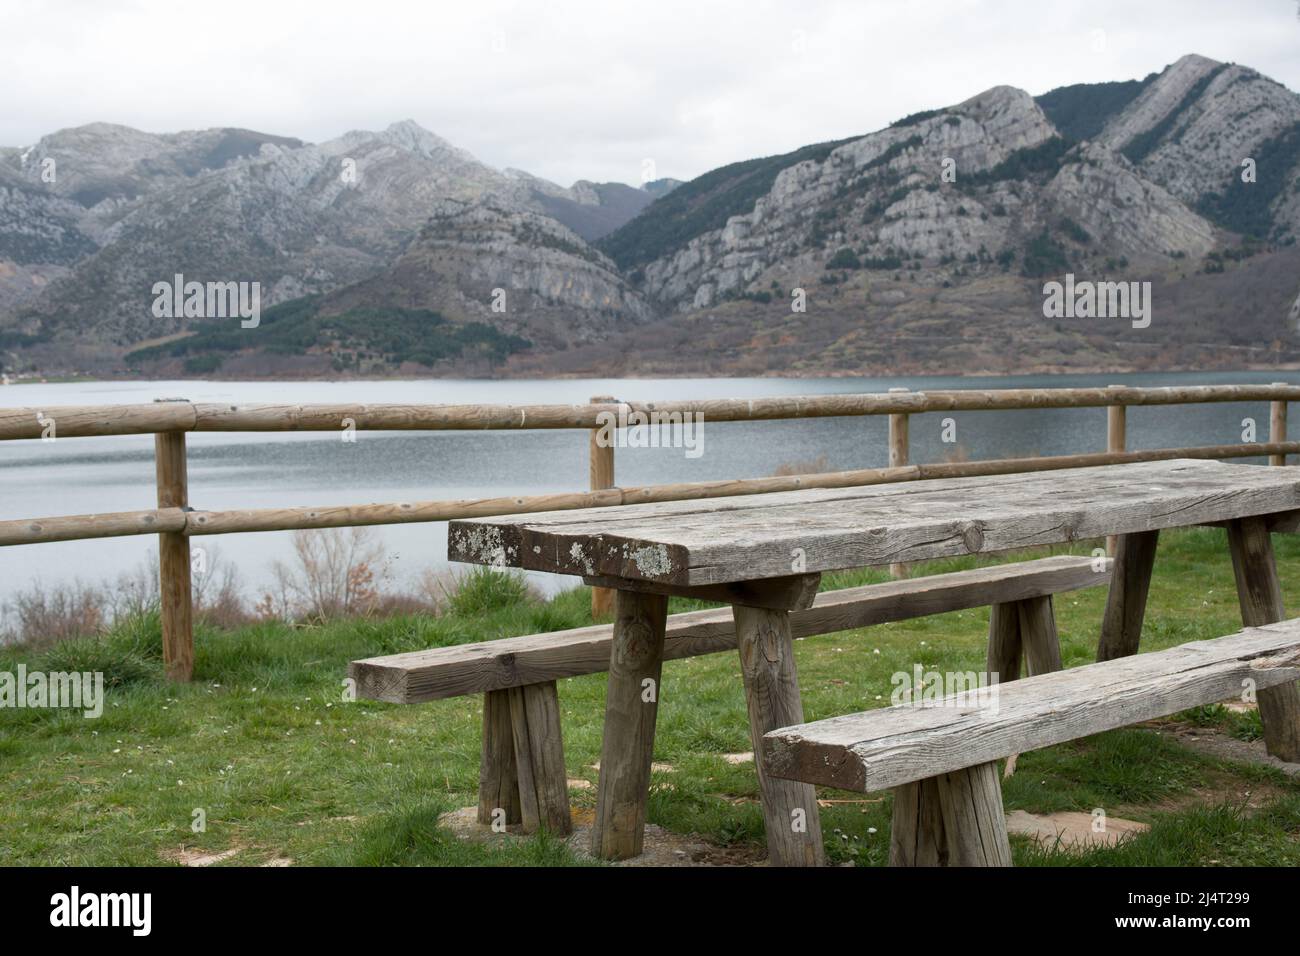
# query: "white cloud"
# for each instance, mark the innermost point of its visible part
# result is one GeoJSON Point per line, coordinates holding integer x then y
{"type": "Point", "coordinates": [571, 89]}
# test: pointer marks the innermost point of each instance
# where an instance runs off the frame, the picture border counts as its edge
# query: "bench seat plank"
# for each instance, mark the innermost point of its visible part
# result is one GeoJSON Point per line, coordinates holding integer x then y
{"type": "Point", "coordinates": [462, 669]}
{"type": "Point", "coordinates": [885, 748]}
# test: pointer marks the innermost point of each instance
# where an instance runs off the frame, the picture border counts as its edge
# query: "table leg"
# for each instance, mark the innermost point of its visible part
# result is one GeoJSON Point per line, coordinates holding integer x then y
{"type": "Point", "coordinates": [1259, 592]}
{"type": "Point", "coordinates": [794, 831]}
{"type": "Point", "coordinates": [631, 706]}
{"type": "Point", "coordinates": [1126, 603]}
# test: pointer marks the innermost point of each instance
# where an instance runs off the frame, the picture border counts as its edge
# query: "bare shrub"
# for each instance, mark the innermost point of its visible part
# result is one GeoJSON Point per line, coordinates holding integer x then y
{"type": "Point", "coordinates": [134, 592]}
{"type": "Point", "coordinates": [434, 587]}
{"type": "Point", "coordinates": [401, 603]}
{"type": "Point", "coordinates": [218, 600]}
{"type": "Point", "coordinates": [336, 575]}
{"type": "Point", "coordinates": [46, 617]}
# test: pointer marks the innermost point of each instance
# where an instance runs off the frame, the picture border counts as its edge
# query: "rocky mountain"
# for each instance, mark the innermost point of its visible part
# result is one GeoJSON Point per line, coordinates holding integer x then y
{"type": "Point", "coordinates": [593, 210]}
{"type": "Point", "coordinates": [482, 281]}
{"type": "Point", "coordinates": [92, 218]}
{"type": "Point", "coordinates": [1149, 180]}
{"type": "Point", "coordinates": [924, 247]}
{"type": "Point", "coordinates": [64, 197]}
{"type": "Point", "coordinates": [517, 269]}
{"type": "Point", "coordinates": [921, 247]}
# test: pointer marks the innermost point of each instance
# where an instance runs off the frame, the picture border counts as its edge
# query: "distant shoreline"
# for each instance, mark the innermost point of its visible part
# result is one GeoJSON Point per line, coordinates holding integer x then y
{"type": "Point", "coordinates": [657, 374]}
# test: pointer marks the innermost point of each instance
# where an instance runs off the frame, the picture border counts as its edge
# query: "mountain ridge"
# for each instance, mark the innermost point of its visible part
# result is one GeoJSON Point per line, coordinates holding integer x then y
{"type": "Point", "coordinates": [967, 205]}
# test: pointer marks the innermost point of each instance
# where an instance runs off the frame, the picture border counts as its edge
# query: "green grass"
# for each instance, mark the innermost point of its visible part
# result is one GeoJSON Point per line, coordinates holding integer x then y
{"type": "Point", "coordinates": [265, 744]}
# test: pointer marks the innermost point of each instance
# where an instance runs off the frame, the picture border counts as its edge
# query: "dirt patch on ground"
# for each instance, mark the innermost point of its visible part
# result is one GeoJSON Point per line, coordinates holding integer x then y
{"type": "Point", "coordinates": [1072, 830]}
{"type": "Point", "coordinates": [662, 847]}
{"type": "Point", "coordinates": [189, 856]}
{"type": "Point", "coordinates": [1215, 743]}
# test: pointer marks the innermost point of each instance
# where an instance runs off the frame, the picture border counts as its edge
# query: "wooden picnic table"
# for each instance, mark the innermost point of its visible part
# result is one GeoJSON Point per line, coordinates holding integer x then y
{"type": "Point", "coordinates": [764, 554]}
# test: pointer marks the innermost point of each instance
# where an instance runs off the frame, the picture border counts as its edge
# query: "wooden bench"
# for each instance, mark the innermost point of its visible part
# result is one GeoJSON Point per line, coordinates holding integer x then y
{"type": "Point", "coordinates": [942, 760]}
{"type": "Point", "coordinates": [522, 777]}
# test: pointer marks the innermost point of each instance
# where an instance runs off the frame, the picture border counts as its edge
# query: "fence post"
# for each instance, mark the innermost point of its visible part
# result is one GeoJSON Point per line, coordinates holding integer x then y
{"type": "Point", "coordinates": [1277, 427]}
{"type": "Point", "coordinates": [898, 455]}
{"type": "Point", "coordinates": [174, 560]}
{"type": "Point", "coordinates": [602, 476]}
{"type": "Point", "coordinates": [1116, 441]}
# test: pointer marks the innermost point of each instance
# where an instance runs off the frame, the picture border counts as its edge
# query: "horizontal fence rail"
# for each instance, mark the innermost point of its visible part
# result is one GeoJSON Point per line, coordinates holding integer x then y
{"type": "Point", "coordinates": [193, 522]}
{"type": "Point", "coordinates": [79, 421]}
{"type": "Point", "coordinates": [173, 520]}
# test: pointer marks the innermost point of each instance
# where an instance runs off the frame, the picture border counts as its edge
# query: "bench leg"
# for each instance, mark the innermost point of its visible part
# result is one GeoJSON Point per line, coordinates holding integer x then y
{"type": "Point", "coordinates": [1023, 628]}
{"type": "Point", "coordinates": [1259, 592]}
{"type": "Point", "coordinates": [916, 836]}
{"type": "Point", "coordinates": [1126, 604]}
{"type": "Point", "coordinates": [1004, 642]}
{"type": "Point", "coordinates": [790, 814]}
{"type": "Point", "coordinates": [971, 803]}
{"type": "Point", "coordinates": [1026, 627]}
{"type": "Point", "coordinates": [539, 758]}
{"type": "Point", "coordinates": [1038, 635]}
{"type": "Point", "coordinates": [498, 783]}
{"type": "Point", "coordinates": [631, 706]}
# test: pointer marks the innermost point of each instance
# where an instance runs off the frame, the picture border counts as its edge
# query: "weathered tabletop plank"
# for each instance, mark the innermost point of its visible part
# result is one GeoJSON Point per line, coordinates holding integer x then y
{"type": "Point", "coordinates": [891, 746]}
{"type": "Point", "coordinates": [746, 538]}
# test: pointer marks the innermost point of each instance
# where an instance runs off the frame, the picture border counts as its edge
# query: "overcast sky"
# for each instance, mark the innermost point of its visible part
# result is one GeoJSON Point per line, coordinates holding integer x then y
{"type": "Point", "coordinates": [589, 90]}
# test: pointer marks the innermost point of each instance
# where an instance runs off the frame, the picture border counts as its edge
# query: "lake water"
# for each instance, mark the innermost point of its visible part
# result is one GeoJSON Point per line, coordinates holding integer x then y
{"type": "Point", "coordinates": [84, 475]}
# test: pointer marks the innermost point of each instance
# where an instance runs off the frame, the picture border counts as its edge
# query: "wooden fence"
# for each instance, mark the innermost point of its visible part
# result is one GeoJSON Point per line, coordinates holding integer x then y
{"type": "Point", "coordinates": [174, 521]}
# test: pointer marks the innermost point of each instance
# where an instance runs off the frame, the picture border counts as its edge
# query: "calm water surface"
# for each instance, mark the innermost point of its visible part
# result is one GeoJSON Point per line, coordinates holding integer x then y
{"type": "Point", "coordinates": [84, 475]}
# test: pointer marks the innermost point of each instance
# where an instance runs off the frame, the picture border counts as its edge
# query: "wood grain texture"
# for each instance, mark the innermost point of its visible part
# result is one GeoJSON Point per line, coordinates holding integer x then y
{"type": "Point", "coordinates": [746, 538]}
{"type": "Point", "coordinates": [1004, 650]}
{"type": "Point", "coordinates": [1283, 522]}
{"type": "Point", "coordinates": [891, 746]}
{"type": "Point", "coordinates": [601, 472]}
{"type": "Point", "coordinates": [415, 512]}
{"type": "Point", "coordinates": [916, 834]}
{"type": "Point", "coordinates": [498, 781]}
{"type": "Point", "coordinates": [973, 822]}
{"type": "Point", "coordinates": [1116, 441]}
{"type": "Point", "coordinates": [1277, 428]}
{"type": "Point", "coordinates": [1126, 604]}
{"type": "Point", "coordinates": [539, 758]}
{"type": "Point", "coordinates": [71, 421]}
{"type": "Point", "coordinates": [454, 671]}
{"type": "Point", "coordinates": [635, 665]}
{"type": "Point", "coordinates": [194, 523]}
{"type": "Point", "coordinates": [1279, 710]}
{"type": "Point", "coordinates": [115, 524]}
{"type": "Point", "coordinates": [1038, 638]}
{"type": "Point", "coordinates": [899, 455]}
{"type": "Point", "coordinates": [17, 423]}
{"type": "Point", "coordinates": [174, 587]}
{"type": "Point", "coordinates": [1259, 593]}
{"type": "Point", "coordinates": [795, 592]}
{"type": "Point", "coordinates": [790, 813]}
